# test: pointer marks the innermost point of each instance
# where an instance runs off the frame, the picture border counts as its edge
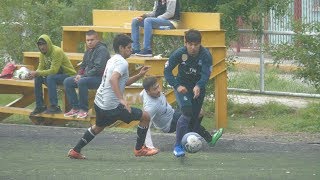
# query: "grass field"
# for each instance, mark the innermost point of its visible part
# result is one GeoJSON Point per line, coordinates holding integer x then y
{"type": "Point", "coordinates": [36, 152]}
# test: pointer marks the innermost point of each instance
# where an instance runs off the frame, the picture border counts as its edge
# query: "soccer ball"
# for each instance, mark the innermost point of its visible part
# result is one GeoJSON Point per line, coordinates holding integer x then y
{"type": "Point", "coordinates": [191, 142]}
{"type": "Point", "coordinates": [22, 73]}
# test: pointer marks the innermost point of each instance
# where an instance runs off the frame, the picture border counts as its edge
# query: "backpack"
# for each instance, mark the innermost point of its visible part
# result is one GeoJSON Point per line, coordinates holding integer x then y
{"type": "Point", "coordinates": [8, 70]}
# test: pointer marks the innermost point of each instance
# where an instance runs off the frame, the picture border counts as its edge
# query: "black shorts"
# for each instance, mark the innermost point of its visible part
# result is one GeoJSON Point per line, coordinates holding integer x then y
{"type": "Point", "coordinates": [108, 117]}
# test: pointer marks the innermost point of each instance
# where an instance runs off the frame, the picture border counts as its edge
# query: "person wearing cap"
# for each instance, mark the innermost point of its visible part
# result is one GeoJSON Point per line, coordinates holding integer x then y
{"type": "Point", "coordinates": [89, 75]}
{"type": "Point", "coordinates": [54, 66]}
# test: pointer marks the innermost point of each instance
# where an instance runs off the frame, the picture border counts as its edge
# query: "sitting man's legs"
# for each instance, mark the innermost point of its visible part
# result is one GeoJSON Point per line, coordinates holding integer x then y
{"type": "Point", "coordinates": [84, 84]}
{"type": "Point", "coordinates": [40, 106]}
{"type": "Point", "coordinates": [52, 82]}
{"type": "Point", "coordinates": [135, 34]}
{"type": "Point", "coordinates": [149, 24]}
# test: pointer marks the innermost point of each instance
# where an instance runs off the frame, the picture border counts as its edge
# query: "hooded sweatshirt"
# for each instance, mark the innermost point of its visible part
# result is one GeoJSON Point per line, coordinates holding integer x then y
{"type": "Point", "coordinates": [94, 60]}
{"type": "Point", "coordinates": [54, 61]}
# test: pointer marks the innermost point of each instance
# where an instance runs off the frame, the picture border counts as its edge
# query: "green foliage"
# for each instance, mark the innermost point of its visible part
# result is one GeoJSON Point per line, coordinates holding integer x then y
{"type": "Point", "coordinates": [304, 52]}
{"type": "Point", "coordinates": [274, 116]}
{"type": "Point", "coordinates": [250, 11]}
{"type": "Point", "coordinates": [22, 22]}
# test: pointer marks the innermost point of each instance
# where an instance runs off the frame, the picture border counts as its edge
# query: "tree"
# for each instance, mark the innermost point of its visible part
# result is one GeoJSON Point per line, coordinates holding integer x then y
{"type": "Point", "coordinates": [304, 51]}
{"type": "Point", "coordinates": [22, 22]}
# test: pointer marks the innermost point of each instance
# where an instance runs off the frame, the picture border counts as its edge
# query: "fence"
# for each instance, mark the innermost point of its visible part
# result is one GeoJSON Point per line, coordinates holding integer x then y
{"type": "Point", "coordinates": [277, 30]}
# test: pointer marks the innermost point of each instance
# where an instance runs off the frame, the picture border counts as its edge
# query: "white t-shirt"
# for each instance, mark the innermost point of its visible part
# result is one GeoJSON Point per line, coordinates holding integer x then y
{"type": "Point", "coordinates": [159, 110]}
{"type": "Point", "coordinates": [105, 97]}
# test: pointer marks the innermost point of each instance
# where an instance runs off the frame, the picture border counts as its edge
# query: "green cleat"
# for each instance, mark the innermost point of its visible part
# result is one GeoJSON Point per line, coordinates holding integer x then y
{"type": "Point", "coordinates": [216, 136]}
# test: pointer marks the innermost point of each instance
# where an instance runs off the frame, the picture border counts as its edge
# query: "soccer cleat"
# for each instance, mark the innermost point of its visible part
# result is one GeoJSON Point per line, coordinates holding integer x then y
{"type": "Point", "coordinates": [145, 151]}
{"type": "Point", "coordinates": [144, 53]}
{"type": "Point", "coordinates": [216, 136]}
{"type": "Point", "coordinates": [38, 110]}
{"type": "Point", "coordinates": [75, 155]}
{"type": "Point", "coordinates": [71, 113]}
{"type": "Point", "coordinates": [178, 151]}
{"type": "Point", "coordinates": [82, 114]}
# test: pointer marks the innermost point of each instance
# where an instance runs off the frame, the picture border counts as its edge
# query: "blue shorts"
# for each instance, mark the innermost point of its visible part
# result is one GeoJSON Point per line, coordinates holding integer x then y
{"type": "Point", "coordinates": [108, 117]}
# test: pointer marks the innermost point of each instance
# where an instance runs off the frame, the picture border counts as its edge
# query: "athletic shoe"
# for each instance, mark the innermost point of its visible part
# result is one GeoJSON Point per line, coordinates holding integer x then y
{"type": "Point", "coordinates": [145, 53]}
{"type": "Point", "coordinates": [178, 151]}
{"type": "Point", "coordinates": [53, 110]}
{"type": "Point", "coordinates": [216, 136]}
{"type": "Point", "coordinates": [135, 51]}
{"type": "Point", "coordinates": [144, 151]}
{"type": "Point", "coordinates": [71, 113]}
{"type": "Point", "coordinates": [82, 114]}
{"type": "Point", "coordinates": [38, 110]}
{"type": "Point", "coordinates": [75, 155]}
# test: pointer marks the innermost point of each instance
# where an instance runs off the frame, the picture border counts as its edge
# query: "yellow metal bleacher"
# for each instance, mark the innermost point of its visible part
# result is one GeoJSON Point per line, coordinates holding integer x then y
{"type": "Point", "coordinates": [116, 21]}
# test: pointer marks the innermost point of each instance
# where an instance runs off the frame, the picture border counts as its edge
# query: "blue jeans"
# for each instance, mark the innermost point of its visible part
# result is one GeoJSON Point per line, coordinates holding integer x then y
{"type": "Point", "coordinates": [51, 82]}
{"type": "Point", "coordinates": [148, 23]}
{"type": "Point", "coordinates": [83, 85]}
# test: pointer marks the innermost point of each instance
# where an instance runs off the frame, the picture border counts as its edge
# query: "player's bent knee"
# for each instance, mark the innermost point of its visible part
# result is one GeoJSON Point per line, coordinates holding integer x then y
{"type": "Point", "coordinates": [187, 111]}
{"type": "Point", "coordinates": [145, 119]}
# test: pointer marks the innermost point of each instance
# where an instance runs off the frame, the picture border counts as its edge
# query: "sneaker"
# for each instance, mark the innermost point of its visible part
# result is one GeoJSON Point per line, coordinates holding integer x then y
{"type": "Point", "coordinates": [38, 110]}
{"type": "Point", "coordinates": [71, 113]}
{"type": "Point", "coordinates": [82, 114]}
{"type": "Point", "coordinates": [75, 155]}
{"type": "Point", "coordinates": [216, 136]}
{"type": "Point", "coordinates": [54, 110]}
{"type": "Point", "coordinates": [145, 151]}
{"type": "Point", "coordinates": [145, 53]}
{"type": "Point", "coordinates": [178, 151]}
{"type": "Point", "coordinates": [135, 51]}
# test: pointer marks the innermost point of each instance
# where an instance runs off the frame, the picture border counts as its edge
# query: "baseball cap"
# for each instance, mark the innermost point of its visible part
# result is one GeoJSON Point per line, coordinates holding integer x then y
{"type": "Point", "coordinates": [41, 41]}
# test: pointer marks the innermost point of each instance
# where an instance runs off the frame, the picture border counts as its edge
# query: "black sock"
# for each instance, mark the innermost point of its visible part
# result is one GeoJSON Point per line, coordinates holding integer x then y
{"type": "Point", "coordinates": [205, 134]}
{"type": "Point", "coordinates": [86, 138]}
{"type": "Point", "coordinates": [141, 132]}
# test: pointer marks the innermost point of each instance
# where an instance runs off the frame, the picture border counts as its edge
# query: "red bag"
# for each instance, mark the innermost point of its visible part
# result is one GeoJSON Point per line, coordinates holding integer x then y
{"type": "Point", "coordinates": [8, 70]}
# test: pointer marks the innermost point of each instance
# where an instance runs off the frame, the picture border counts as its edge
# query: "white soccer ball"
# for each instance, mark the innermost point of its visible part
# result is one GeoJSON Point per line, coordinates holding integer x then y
{"type": "Point", "coordinates": [191, 142]}
{"type": "Point", "coordinates": [22, 73]}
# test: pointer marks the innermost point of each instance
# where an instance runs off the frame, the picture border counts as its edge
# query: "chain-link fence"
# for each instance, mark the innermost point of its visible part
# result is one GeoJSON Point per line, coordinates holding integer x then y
{"type": "Point", "coordinates": [247, 52]}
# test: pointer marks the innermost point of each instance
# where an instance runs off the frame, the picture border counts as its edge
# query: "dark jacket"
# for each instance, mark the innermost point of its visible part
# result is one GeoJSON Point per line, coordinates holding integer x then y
{"type": "Point", "coordinates": [94, 61]}
{"type": "Point", "coordinates": [169, 9]}
{"type": "Point", "coordinates": [192, 71]}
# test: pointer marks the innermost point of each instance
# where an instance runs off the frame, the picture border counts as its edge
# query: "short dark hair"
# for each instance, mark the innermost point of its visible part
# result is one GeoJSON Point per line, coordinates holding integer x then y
{"type": "Point", "coordinates": [192, 35]}
{"type": "Point", "coordinates": [148, 82]}
{"type": "Point", "coordinates": [91, 32]}
{"type": "Point", "coordinates": [121, 40]}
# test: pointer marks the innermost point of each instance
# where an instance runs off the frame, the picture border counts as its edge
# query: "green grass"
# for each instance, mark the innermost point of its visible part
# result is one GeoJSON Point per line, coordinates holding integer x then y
{"type": "Point", "coordinates": [275, 117]}
{"type": "Point", "coordinates": [43, 159]}
{"type": "Point", "coordinates": [273, 82]}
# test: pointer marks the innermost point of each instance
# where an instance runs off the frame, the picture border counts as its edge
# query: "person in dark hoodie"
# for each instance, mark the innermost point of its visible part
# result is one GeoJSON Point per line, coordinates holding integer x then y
{"type": "Point", "coordinates": [194, 69]}
{"type": "Point", "coordinates": [54, 66]}
{"type": "Point", "coordinates": [89, 75]}
{"type": "Point", "coordinates": [165, 15]}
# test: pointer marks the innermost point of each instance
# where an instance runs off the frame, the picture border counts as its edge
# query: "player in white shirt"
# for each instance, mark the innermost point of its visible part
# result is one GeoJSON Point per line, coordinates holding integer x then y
{"type": "Point", "coordinates": [163, 116]}
{"type": "Point", "coordinates": [110, 104]}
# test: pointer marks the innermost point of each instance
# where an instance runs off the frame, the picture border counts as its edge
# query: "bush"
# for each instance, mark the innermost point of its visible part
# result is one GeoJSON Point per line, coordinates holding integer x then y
{"type": "Point", "coordinates": [304, 52]}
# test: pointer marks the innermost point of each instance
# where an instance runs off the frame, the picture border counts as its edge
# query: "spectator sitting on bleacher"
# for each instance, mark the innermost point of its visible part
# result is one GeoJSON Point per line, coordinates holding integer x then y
{"type": "Point", "coordinates": [89, 75]}
{"type": "Point", "coordinates": [54, 66]}
{"type": "Point", "coordinates": [165, 15]}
